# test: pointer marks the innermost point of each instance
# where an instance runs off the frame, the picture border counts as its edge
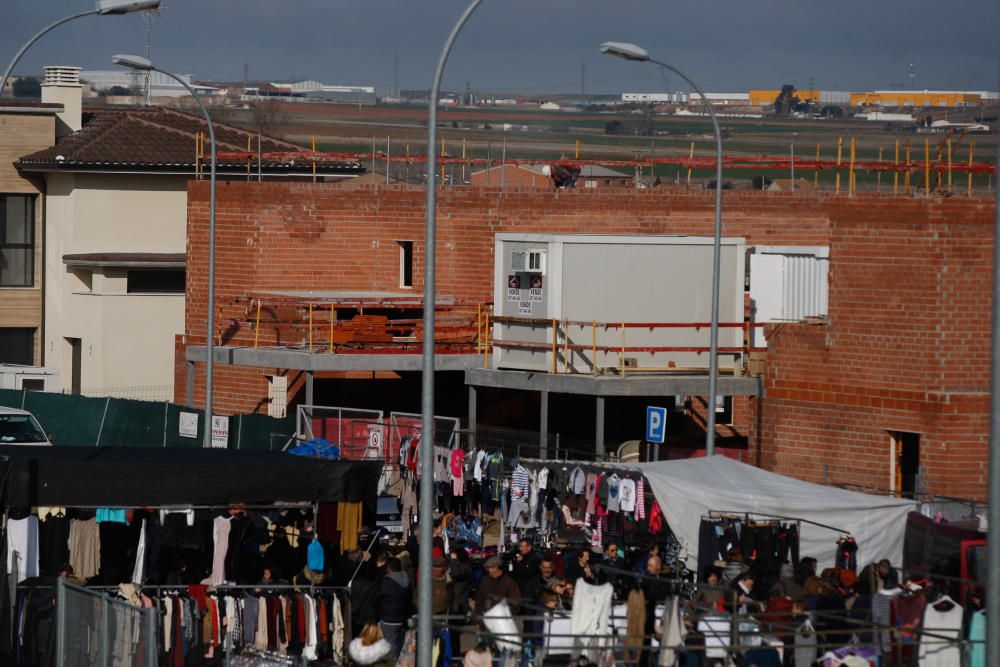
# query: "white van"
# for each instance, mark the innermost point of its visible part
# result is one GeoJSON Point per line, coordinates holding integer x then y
{"type": "Point", "coordinates": [19, 427]}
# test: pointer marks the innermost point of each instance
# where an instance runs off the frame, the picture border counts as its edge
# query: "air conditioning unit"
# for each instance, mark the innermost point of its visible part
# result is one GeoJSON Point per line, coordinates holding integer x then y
{"type": "Point", "coordinates": [527, 261]}
{"type": "Point", "coordinates": [518, 261]}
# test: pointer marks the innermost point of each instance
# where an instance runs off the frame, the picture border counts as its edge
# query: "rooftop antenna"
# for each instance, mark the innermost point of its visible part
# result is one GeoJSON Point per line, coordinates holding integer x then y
{"type": "Point", "coordinates": [147, 20]}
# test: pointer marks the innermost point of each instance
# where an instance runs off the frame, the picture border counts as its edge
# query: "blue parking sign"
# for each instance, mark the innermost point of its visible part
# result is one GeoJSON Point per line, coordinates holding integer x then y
{"type": "Point", "coordinates": [656, 424]}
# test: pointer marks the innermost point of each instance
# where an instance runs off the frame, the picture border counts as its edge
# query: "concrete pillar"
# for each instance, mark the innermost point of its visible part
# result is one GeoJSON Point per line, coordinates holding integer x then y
{"type": "Point", "coordinates": [309, 388]}
{"type": "Point", "coordinates": [190, 384]}
{"type": "Point", "coordinates": [472, 417]}
{"type": "Point", "coordinates": [599, 427]}
{"type": "Point", "coordinates": [543, 426]}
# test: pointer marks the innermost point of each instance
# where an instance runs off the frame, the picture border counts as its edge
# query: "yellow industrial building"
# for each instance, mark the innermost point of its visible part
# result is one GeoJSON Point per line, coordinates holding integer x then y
{"type": "Point", "coordinates": [915, 98]}
{"type": "Point", "coordinates": [877, 98]}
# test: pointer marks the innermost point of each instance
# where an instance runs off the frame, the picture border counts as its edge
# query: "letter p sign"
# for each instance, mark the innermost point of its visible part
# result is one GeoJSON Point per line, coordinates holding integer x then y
{"type": "Point", "coordinates": [656, 424]}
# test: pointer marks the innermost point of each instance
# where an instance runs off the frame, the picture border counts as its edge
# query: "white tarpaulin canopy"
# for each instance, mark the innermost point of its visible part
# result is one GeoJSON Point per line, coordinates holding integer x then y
{"type": "Point", "coordinates": [689, 489]}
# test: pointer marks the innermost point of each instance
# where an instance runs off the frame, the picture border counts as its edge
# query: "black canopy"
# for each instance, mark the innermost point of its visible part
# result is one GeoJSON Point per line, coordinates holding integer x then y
{"type": "Point", "coordinates": [138, 477]}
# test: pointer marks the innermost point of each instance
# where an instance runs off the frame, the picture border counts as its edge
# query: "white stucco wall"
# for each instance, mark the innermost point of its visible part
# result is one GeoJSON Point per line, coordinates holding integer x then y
{"type": "Point", "coordinates": [127, 340]}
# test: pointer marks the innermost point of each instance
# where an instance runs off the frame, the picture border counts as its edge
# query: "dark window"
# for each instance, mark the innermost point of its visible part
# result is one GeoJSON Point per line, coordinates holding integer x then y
{"type": "Point", "coordinates": [17, 241]}
{"type": "Point", "coordinates": [17, 346]}
{"type": "Point", "coordinates": [405, 263]}
{"type": "Point", "coordinates": [158, 281]}
{"type": "Point", "coordinates": [33, 384]}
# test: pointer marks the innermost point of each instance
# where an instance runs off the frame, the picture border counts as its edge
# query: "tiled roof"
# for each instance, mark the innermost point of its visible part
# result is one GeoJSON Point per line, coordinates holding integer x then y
{"type": "Point", "coordinates": [158, 139]}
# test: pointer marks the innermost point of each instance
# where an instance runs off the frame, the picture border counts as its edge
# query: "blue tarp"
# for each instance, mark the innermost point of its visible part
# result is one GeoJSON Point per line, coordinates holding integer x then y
{"type": "Point", "coordinates": [318, 448]}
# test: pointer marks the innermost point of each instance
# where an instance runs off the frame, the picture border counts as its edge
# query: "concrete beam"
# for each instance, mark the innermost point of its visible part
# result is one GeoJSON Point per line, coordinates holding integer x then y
{"type": "Point", "coordinates": [636, 385]}
{"type": "Point", "coordinates": [304, 360]}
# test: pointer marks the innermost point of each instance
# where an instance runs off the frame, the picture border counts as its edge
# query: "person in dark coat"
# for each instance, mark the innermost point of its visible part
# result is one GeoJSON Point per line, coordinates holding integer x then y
{"type": "Point", "coordinates": [527, 571]}
{"type": "Point", "coordinates": [496, 586]}
{"type": "Point", "coordinates": [462, 582]}
{"type": "Point", "coordinates": [393, 603]}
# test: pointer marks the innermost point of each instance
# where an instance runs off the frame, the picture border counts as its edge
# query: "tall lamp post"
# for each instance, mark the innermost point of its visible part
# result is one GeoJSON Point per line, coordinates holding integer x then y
{"type": "Point", "coordinates": [993, 475]}
{"type": "Point", "coordinates": [143, 64]}
{"type": "Point", "coordinates": [425, 590]}
{"type": "Point", "coordinates": [633, 52]}
{"type": "Point", "coordinates": [101, 8]}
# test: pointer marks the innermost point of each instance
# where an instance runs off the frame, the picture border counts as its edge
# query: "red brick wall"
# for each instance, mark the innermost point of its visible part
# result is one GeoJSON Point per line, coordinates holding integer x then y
{"type": "Point", "coordinates": [905, 348]}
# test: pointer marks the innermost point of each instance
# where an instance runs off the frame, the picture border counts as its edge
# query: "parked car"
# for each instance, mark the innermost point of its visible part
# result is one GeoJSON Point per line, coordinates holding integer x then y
{"type": "Point", "coordinates": [388, 517]}
{"type": "Point", "coordinates": [19, 427]}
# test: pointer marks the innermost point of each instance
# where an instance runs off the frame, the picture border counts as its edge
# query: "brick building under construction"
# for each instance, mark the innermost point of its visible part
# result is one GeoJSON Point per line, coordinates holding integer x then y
{"type": "Point", "coordinates": [888, 389]}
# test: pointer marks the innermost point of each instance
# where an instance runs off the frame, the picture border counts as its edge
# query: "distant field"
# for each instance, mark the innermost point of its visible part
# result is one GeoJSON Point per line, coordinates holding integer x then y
{"type": "Point", "coordinates": [552, 134]}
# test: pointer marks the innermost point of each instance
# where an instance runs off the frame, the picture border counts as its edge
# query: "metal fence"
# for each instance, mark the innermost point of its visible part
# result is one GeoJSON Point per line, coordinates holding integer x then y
{"type": "Point", "coordinates": [96, 630]}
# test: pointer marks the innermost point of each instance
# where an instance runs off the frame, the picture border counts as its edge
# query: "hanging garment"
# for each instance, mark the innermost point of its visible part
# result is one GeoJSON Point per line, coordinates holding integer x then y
{"type": "Point", "coordinates": [337, 629]}
{"type": "Point", "coordinates": [500, 622]}
{"type": "Point", "coordinates": [635, 624]}
{"type": "Point", "coordinates": [944, 620]}
{"type": "Point", "coordinates": [977, 637]}
{"type": "Point", "coordinates": [640, 500]}
{"type": "Point", "coordinates": [315, 557]}
{"type": "Point", "coordinates": [22, 547]}
{"type": "Point", "coordinates": [672, 635]}
{"type": "Point", "coordinates": [590, 620]}
{"type": "Point", "coordinates": [614, 499]}
{"type": "Point", "coordinates": [577, 481]}
{"type": "Point", "coordinates": [85, 548]}
{"type": "Point", "coordinates": [806, 645]}
{"type": "Point", "coordinates": [847, 554]}
{"type": "Point", "coordinates": [220, 540]}
{"type": "Point", "coordinates": [626, 494]}
{"type": "Point", "coordinates": [53, 544]}
{"type": "Point", "coordinates": [882, 615]}
{"type": "Point", "coordinates": [349, 522]}
{"type": "Point", "coordinates": [111, 515]}
{"type": "Point", "coordinates": [519, 484]}
{"type": "Point", "coordinates": [139, 571]}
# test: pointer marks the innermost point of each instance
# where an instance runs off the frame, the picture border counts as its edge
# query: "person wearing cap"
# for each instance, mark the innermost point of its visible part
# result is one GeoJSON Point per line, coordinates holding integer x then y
{"type": "Point", "coordinates": [786, 585]}
{"type": "Point", "coordinates": [441, 593]}
{"type": "Point", "coordinates": [497, 585]}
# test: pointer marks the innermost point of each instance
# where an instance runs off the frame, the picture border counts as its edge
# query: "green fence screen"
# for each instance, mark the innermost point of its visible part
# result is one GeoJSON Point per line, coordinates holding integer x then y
{"type": "Point", "coordinates": [82, 421]}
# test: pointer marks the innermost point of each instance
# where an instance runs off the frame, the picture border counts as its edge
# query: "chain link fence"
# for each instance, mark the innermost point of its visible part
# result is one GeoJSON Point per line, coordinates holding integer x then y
{"type": "Point", "coordinates": [96, 630]}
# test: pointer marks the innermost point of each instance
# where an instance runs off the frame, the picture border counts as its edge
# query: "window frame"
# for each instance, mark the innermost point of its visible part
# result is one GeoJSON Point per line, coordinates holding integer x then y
{"type": "Point", "coordinates": [30, 246]}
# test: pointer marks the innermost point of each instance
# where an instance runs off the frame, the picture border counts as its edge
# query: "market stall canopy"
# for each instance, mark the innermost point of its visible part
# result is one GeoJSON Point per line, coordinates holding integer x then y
{"type": "Point", "coordinates": [689, 489]}
{"type": "Point", "coordinates": [144, 477]}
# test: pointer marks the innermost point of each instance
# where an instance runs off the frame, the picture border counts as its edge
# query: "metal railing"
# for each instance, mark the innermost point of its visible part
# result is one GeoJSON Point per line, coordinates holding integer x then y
{"type": "Point", "coordinates": [572, 343]}
{"type": "Point", "coordinates": [95, 630]}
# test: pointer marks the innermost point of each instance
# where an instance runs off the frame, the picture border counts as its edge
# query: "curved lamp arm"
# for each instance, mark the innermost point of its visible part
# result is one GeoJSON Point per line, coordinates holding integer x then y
{"type": "Point", "coordinates": [425, 591]}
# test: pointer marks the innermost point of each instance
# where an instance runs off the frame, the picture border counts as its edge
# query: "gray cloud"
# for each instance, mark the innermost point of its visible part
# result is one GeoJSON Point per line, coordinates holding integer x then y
{"type": "Point", "coordinates": [537, 44]}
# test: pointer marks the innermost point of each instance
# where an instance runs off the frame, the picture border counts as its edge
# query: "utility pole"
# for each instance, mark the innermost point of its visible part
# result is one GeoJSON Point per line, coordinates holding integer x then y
{"type": "Point", "coordinates": [395, 75]}
{"type": "Point", "coordinates": [583, 78]}
{"type": "Point", "coordinates": [246, 76]}
{"type": "Point", "coordinates": [913, 72]}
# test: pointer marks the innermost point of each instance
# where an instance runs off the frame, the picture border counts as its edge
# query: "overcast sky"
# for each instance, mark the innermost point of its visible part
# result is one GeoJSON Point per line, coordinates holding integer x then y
{"type": "Point", "coordinates": [537, 45]}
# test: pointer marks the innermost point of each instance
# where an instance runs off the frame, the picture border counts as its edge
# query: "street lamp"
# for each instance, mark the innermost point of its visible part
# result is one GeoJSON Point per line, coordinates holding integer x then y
{"type": "Point", "coordinates": [425, 590]}
{"type": "Point", "coordinates": [633, 52]}
{"type": "Point", "coordinates": [143, 64]}
{"type": "Point", "coordinates": [101, 8]}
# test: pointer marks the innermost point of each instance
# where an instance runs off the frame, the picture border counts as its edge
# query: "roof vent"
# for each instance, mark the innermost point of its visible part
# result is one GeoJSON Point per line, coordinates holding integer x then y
{"type": "Point", "coordinates": [62, 75]}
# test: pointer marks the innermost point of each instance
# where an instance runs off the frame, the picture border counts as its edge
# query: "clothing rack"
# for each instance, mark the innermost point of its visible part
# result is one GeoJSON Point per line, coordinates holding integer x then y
{"type": "Point", "coordinates": [586, 466]}
{"type": "Point", "coordinates": [721, 514]}
{"type": "Point", "coordinates": [184, 508]}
